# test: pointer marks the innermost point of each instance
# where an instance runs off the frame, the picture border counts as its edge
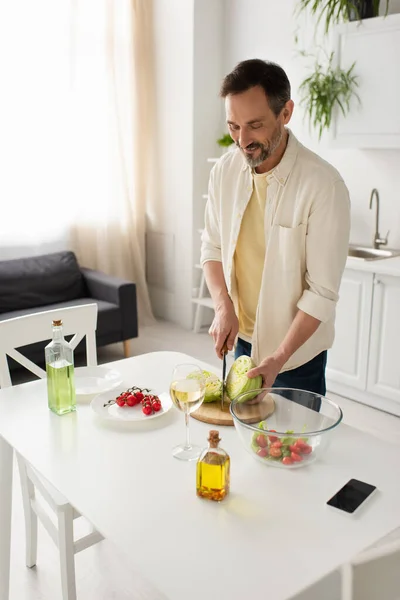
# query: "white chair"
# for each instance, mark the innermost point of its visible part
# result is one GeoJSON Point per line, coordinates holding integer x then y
{"type": "Point", "coordinates": [14, 333]}
{"type": "Point", "coordinates": [374, 573]}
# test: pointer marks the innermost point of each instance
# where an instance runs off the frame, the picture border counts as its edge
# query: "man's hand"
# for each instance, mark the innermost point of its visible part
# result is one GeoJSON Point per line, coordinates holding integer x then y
{"type": "Point", "coordinates": [224, 327]}
{"type": "Point", "coordinates": [269, 369]}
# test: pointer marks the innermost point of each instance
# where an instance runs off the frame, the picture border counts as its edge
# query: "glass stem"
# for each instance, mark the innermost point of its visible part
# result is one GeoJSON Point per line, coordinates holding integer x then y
{"type": "Point", "coordinates": [187, 431]}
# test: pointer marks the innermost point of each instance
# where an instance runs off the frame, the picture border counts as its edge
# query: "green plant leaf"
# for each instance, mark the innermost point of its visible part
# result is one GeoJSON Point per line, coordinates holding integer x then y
{"type": "Point", "coordinates": [225, 140]}
{"type": "Point", "coordinates": [331, 12]}
{"type": "Point", "coordinates": [324, 90]}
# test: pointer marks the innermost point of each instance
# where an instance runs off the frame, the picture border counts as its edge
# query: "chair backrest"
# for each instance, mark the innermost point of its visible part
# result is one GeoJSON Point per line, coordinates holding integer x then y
{"type": "Point", "coordinates": [381, 565]}
{"type": "Point", "coordinates": [79, 321]}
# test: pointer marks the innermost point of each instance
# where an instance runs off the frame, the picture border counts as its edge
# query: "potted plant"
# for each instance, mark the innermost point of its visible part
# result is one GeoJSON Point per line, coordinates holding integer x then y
{"type": "Point", "coordinates": [225, 142]}
{"type": "Point", "coordinates": [334, 11]}
{"type": "Point", "coordinates": [327, 89]}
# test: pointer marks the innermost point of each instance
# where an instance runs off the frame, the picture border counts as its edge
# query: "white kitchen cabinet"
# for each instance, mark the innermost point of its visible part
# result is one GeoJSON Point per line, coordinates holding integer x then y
{"type": "Point", "coordinates": [374, 45]}
{"type": "Point", "coordinates": [348, 359]}
{"type": "Point", "coordinates": [364, 362]}
{"type": "Point", "coordinates": [384, 350]}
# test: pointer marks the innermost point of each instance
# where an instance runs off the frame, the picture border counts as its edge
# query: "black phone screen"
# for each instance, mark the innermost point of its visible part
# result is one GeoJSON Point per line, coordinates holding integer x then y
{"type": "Point", "coordinates": [351, 495]}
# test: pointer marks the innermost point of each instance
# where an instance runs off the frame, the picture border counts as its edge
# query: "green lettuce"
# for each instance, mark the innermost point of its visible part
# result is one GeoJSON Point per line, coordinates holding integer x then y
{"type": "Point", "coordinates": [213, 385]}
{"type": "Point", "coordinates": [237, 381]}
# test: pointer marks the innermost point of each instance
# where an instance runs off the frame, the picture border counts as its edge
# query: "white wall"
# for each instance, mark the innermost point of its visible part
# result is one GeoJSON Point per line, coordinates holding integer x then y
{"type": "Point", "coordinates": [208, 112]}
{"type": "Point", "coordinates": [265, 29]}
{"type": "Point", "coordinates": [169, 231]}
{"type": "Point", "coordinates": [188, 55]}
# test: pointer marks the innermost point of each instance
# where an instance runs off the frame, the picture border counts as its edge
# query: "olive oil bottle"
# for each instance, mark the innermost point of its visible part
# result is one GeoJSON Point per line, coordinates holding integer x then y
{"type": "Point", "coordinates": [60, 373]}
{"type": "Point", "coordinates": [213, 470]}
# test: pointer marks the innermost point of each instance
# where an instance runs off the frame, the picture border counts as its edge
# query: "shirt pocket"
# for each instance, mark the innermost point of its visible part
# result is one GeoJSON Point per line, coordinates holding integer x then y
{"type": "Point", "coordinates": [288, 247]}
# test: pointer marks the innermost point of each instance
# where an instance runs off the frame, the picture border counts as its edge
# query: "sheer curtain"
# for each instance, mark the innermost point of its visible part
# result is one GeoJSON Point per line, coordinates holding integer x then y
{"type": "Point", "coordinates": [111, 81]}
{"type": "Point", "coordinates": [80, 76]}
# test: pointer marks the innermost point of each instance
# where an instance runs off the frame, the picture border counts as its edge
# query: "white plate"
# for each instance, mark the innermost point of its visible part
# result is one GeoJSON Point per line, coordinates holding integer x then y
{"type": "Point", "coordinates": [95, 380]}
{"type": "Point", "coordinates": [126, 413]}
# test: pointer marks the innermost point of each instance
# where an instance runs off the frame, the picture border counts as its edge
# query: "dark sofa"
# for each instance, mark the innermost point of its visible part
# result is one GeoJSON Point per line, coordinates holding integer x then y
{"type": "Point", "coordinates": [40, 283]}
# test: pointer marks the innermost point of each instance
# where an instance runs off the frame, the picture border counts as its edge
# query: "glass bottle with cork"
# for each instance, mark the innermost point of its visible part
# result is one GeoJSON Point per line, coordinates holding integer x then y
{"type": "Point", "coordinates": [213, 470]}
{"type": "Point", "coordinates": [60, 372]}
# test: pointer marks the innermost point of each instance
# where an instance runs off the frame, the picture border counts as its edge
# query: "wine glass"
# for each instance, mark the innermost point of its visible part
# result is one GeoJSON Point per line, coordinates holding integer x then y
{"type": "Point", "coordinates": [187, 391]}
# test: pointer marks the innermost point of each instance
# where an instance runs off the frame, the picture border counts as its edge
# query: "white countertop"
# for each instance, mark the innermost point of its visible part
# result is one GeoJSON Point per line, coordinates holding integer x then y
{"type": "Point", "coordinates": [386, 266]}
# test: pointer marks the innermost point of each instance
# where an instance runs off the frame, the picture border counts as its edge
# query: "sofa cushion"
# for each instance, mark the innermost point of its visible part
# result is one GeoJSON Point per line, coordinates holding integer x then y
{"type": "Point", "coordinates": [27, 283]}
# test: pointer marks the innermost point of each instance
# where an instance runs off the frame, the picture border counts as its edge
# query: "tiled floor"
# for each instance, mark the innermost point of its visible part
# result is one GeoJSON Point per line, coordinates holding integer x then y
{"type": "Point", "coordinates": [100, 572]}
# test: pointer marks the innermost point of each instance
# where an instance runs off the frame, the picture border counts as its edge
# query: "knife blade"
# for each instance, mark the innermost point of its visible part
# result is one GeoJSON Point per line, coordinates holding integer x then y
{"type": "Point", "coordinates": [225, 351]}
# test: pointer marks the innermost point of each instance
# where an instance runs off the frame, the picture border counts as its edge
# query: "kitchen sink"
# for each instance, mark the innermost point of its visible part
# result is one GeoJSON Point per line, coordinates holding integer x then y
{"type": "Point", "coordinates": [365, 253]}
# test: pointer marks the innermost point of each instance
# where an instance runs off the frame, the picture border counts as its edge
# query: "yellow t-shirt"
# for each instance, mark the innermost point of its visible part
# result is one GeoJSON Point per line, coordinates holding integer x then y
{"type": "Point", "coordinates": [249, 256]}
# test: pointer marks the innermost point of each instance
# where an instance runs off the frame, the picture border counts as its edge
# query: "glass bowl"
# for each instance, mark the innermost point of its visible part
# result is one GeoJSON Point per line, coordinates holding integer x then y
{"type": "Point", "coordinates": [284, 427]}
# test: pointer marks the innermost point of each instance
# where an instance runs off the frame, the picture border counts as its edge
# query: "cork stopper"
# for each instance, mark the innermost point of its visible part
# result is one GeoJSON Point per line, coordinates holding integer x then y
{"type": "Point", "coordinates": [57, 323]}
{"type": "Point", "coordinates": [214, 438]}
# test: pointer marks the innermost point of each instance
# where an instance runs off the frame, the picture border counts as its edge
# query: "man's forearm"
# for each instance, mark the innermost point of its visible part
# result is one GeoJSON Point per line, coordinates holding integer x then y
{"type": "Point", "coordinates": [301, 329]}
{"type": "Point", "coordinates": [214, 276]}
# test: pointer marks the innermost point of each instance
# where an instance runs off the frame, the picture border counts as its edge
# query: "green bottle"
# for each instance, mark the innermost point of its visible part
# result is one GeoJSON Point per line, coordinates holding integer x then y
{"type": "Point", "coordinates": [60, 373]}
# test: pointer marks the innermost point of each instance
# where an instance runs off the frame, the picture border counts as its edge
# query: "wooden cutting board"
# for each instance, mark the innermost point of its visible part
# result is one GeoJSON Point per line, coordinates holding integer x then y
{"type": "Point", "coordinates": [211, 412]}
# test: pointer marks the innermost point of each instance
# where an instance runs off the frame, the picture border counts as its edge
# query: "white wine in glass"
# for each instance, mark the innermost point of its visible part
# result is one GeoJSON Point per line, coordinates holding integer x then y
{"type": "Point", "coordinates": [187, 392]}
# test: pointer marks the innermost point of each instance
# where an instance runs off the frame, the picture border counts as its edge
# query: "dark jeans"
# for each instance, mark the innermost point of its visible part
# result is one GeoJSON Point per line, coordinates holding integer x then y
{"type": "Point", "coordinates": [309, 377]}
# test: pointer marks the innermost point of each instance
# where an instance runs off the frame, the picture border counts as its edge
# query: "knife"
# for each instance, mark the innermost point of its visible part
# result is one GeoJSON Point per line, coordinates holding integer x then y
{"type": "Point", "coordinates": [225, 352]}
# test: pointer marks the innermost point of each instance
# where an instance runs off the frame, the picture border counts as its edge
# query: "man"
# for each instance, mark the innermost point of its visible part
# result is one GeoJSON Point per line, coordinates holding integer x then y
{"type": "Point", "coordinates": [276, 236]}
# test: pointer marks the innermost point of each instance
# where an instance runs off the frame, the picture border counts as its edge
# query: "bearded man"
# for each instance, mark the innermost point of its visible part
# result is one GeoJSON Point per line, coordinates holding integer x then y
{"type": "Point", "coordinates": [276, 236]}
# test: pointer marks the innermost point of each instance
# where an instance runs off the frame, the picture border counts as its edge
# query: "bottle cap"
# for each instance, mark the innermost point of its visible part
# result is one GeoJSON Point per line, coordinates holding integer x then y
{"type": "Point", "coordinates": [57, 323]}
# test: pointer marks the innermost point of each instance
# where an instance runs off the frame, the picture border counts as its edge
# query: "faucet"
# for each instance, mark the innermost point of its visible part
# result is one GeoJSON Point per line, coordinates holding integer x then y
{"type": "Point", "coordinates": [378, 241]}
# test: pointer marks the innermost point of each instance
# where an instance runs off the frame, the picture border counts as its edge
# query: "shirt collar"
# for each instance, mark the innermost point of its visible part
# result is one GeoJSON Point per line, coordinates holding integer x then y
{"type": "Point", "coordinates": [282, 170]}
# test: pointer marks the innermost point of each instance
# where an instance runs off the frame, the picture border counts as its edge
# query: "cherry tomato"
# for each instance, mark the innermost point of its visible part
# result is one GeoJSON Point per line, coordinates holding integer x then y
{"type": "Point", "coordinates": [262, 441]}
{"type": "Point", "coordinates": [120, 401]}
{"type": "Point", "coordinates": [262, 452]}
{"type": "Point", "coordinates": [300, 443]}
{"type": "Point", "coordinates": [287, 460]}
{"type": "Point", "coordinates": [272, 438]}
{"type": "Point", "coordinates": [156, 406]}
{"type": "Point", "coordinates": [306, 449]}
{"type": "Point", "coordinates": [147, 409]}
{"type": "Point", "coordinates": [277, 444]}
{"type": "Point", "coordinates": [275, 452]}
{"type": "Point", "coordinates": [131, 400]}
{"type": "Point", "coordinates": [139, 396]}
{"type": "Point", "coordinates": [296, 457]}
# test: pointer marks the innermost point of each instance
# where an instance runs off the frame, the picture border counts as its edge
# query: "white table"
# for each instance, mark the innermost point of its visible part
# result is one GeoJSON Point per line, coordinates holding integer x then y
{"type": "Point", "coordinates": [274, 532]}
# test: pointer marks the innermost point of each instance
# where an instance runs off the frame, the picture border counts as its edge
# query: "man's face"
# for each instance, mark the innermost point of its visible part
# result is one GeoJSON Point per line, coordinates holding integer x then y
{"type": "Point", "coordinates": [253, 125]}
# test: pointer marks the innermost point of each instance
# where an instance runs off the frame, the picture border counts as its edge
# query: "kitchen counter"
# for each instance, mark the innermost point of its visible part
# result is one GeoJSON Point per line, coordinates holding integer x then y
{"type": "Point", "coordinates": [386, 266]}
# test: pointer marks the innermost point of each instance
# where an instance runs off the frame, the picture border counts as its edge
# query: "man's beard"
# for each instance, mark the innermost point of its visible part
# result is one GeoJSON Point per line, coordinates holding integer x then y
{"type": "Point", "coordinates": [266, 150]}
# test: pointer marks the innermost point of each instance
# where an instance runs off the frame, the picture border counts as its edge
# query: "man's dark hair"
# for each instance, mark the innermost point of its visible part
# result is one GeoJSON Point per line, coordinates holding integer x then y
{"type": "Point", "coordinates": [250, 73]}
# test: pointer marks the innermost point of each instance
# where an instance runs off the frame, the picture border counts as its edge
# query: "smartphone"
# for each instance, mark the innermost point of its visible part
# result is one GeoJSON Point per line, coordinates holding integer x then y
{"type": "Point", "coordinates": [351, 496]}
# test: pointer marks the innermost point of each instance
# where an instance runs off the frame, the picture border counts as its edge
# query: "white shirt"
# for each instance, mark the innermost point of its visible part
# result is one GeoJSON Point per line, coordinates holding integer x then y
{"type": "Point", "coordinates": [307, 228]}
